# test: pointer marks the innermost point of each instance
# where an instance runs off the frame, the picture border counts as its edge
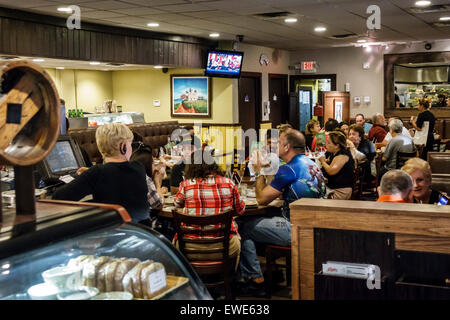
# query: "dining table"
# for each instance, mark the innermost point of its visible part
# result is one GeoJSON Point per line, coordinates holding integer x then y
{"type": "Point", "coordinates": [251, 206]}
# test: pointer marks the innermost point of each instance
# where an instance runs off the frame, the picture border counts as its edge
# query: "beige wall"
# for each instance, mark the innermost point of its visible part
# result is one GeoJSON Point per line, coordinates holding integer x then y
{"type": "Point", "coordinates": [347, 64]}
{"type": "Point", "coordinates": [83, 89]}
{"type": "Point", "coordinates": [279, 64]}
{"type": "Point", "coordinates": [136, 91]}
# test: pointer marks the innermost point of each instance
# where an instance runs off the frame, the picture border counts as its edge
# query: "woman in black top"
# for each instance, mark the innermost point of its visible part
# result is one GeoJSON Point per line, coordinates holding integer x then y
{"type": "Point", "coordinates": [425, 115]}
{"type": "Point", "coordinates": [339, 168]}
{"type": "Point", "coordinates": [366, 147]}
{"type": "Point", "coordinates": [116, 181]}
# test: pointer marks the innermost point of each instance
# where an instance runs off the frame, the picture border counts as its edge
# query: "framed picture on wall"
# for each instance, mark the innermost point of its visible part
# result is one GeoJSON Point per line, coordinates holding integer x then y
{"type": "Point", "coordinates": [190, 96]}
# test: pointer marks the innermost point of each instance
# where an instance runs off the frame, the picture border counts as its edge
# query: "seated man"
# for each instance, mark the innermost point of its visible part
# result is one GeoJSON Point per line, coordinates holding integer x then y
{"type": "Point", "coordinates": [378, 131]}
{"type": "Point", "coordinates": [300, 177]}
{"type": "Point", "coordinates": [396, 186]}
{"type": "Point", "coordinates": [398, 143]}
{"type": "Point", "coordinates": [388, 137]}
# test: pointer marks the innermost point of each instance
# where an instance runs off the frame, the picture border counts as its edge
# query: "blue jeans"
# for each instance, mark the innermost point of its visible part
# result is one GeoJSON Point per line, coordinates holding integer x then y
{"type": "Point", "coordinates": [273, 230]}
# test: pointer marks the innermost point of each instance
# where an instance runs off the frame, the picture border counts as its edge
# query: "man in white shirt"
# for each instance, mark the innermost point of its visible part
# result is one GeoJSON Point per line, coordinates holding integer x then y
{"type": "Point", "coordinates": [388, 137]}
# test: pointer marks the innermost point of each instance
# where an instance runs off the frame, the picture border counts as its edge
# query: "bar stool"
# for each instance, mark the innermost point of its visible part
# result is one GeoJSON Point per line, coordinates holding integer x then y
{"type": "Point", "coordinates": [274, 252]}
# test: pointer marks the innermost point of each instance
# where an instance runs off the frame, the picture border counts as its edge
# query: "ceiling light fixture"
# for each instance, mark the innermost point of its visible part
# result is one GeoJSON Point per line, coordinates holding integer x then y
{"type": "Point", "coordinates": [320, 29]}
{"type": "Point", "coordinates": [94, 63]}
{"type": "Point", "coordinates": [361, 41]}
{"type": "Point", "coordinates": [290, 20]}
{"type": "Point", "coordinates": [153, 24]}
{"type": "Point", "coordinates": [158, 67]}
{"type": "Point", "coordinates": [444, 18]}
{"type": "Point", "coordinates": [423, 3]}
{"type": "Point", "coordinates": [214, 35]}
{"type": "Point", "coordinates": [368, 48]}
{"type": "Point", "coordinates": [64, 9]}
{"type": "Point", "coordinates": [60, 68]}
{"type": "Point", "coordinates": [38, 60]}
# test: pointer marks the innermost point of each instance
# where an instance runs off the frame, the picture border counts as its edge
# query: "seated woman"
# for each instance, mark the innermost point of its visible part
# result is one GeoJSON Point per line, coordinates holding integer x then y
{"type": "Point", "coordinates": [339, 167]}
{"type": "Point", "coordinates": [420, 172]}
{"type": "Point", "coordinates": [344, 127]}
{"type": "Point", "coordinates": [116, 181]}
{"type": "Point", "coordinates": [206, 192]}
{"type": "Point", "coordinates": [312, 127]}
{"type": "Point", "coordinates": [365, 147]}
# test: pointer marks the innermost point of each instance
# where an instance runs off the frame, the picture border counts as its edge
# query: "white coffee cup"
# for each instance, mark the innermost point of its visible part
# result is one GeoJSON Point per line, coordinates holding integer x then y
{"type": "Point", "coordinates": [64, 278]}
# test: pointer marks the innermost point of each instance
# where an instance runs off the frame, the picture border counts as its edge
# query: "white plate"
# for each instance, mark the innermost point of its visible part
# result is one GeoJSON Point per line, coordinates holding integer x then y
{"type": "Point", "coordinates": [115, 295]}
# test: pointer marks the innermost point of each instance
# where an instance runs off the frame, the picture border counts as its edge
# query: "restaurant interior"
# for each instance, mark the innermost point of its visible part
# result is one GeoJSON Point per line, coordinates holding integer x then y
{"type": "Point", "coordinates": [234, 79]}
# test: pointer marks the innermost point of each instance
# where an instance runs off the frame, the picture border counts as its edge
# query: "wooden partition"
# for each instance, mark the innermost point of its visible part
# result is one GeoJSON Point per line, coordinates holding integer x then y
{"type": "Point", "coordinates": [385, 234]}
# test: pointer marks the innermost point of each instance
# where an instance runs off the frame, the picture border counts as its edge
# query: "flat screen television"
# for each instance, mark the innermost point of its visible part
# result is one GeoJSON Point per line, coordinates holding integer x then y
{"type": "Point", "coordinates": [221, 63]}
{"type": "Point", "coordinates": [65, 158]}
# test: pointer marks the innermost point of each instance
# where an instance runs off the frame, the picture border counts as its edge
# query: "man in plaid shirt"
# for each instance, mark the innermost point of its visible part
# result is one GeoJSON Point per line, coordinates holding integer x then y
{"type": "Point", "coordinates": [206, 192]}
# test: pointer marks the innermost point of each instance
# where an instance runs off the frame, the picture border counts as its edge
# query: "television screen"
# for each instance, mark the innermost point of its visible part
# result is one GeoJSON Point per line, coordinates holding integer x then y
{"type": "Point", "coordinates": [224, 64]}
{"type": "Point", "coordinates": [62, 158]}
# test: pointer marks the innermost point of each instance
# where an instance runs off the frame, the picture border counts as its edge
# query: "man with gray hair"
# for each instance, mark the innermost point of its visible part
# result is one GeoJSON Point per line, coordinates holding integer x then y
{"type": "Point", "coordinates": [378, 131]}
{"type": "Point", "coordinates": [396, 186]}
{"type": "Point", "coordinates": [398, 143]}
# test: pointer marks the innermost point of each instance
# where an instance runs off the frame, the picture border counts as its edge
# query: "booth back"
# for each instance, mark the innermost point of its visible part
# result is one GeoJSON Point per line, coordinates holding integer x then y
{"type": "Point", "coordinates": [439, 162]}
{"type": "Point", "coordinates": [154, 134]}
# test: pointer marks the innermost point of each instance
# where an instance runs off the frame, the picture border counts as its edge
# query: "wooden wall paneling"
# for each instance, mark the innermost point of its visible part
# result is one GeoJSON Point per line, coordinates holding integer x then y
{"type": "Point", "coordinates": [76, 44]}
{"type": "Point", "coordinates": [12, 32]}
{"type": "Point", "coordinates": [172, 53]}
{"type": "Point", "coordinates": [70, 43]}
{"type": "Point", "coordinates": [50, 40]}
{"type": "Point", "coordinates": [422, 243]}
{"type": "Point", "coordinates": [65, 42]}
{"type": "Point", "coordinates": [166, 52]}
{"type": "Point", "coordinates": [83, 35]}
{"type": "Point", "coordinates": [58, 42]}
{"type": "Point", "coordinates": [306, 263]}
{"type": "Point", "coordinates": [140, 51]}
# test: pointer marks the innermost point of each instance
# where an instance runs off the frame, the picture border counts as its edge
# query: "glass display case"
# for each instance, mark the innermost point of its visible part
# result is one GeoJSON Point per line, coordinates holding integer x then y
{"type": "Point", "coordinates": [35, 254]}
{"type": "Point", "coordinates": [120, 117]}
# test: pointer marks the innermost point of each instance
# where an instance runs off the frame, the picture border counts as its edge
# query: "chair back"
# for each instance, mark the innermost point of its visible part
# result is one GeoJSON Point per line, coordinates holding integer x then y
{"type": "Point", "coordinates": [441, 182]}
{"type": "Point", "coordinates": [357, 182]}
{"type": "Point", "coordinates": [213, 230]}
{"type": "Point", "coordinates": [402, 157]}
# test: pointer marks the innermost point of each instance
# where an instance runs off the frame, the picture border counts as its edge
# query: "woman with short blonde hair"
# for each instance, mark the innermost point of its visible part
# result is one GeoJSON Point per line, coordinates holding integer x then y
{"type": "Point", "coordinates": [111, 138]}
{"type": "Point", "coordinates": [116, 180]}
{"type": "Point", "coordinates": [420, 172]}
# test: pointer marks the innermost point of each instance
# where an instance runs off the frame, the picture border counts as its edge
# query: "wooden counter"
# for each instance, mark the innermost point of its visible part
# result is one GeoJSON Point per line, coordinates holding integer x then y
{"type": "Point", "coordinates": [415, 227]}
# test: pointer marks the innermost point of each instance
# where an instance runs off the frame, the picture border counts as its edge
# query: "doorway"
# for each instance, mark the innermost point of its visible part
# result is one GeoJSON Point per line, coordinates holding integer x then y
{"type": "Point", "coordinates": [249, 102]}
{"type": "Point", "coordinates": [278, 97]}
{"type": "Point", "coordinates": [317, 84]}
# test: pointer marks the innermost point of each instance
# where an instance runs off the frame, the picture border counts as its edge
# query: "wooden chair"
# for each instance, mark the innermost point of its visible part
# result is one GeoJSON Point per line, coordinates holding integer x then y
{"type": "Point", "coordinates": [274, 252]}
{"type": "Point", "coordinates": [220, 225]}
{"type": "Point", "coordinates": [402, 157]}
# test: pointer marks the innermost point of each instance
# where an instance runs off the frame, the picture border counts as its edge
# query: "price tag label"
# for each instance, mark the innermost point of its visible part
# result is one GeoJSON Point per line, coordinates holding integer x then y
{"type": "Point", "coordinates": [157, 280]}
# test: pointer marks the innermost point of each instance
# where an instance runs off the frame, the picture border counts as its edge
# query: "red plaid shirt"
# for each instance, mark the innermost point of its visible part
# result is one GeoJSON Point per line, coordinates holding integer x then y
{"type": "Point", "coordinates": [211, 195]}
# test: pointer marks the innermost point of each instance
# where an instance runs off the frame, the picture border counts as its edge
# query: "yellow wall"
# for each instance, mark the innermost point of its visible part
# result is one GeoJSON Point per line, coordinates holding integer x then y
{"type": "Point", "coordinates": [83, 89]}
{"type": "Point", "coordinates": [136, 90]}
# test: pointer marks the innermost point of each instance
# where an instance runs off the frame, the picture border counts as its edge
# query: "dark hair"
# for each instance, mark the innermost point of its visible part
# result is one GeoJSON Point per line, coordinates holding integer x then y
{"type": "Point", "coordinates": [424, 103]}
{"type": "Point", "coordinates": [331, 125]}
{"type": "Point", "coordinates": [359, 129]}
{"type": "Point", "coordinates": [359, 114]}
{"type": "Point", "coordinates": [202, 170]}
{"type": "Point", "coordinates": [342, 123]}
{"type": "Point", "coordinates": [188, 127]}
{"type": "Point", "coordinates": [62, 102]}
{"type": "Point", "coordinates": [338, 138]}
{"type": "Point", "coordinates": [144, 155]}
{"type": "Point", "coordinates": [191, 140]}
{"type": "Point", "coordinates": [272, 133]}
{"type": "Point", "coordinates": [441, 96]}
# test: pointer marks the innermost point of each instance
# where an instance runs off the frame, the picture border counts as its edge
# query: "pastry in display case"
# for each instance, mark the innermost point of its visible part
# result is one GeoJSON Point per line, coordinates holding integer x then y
{"type": "Point", "coordinates": [75, 251]}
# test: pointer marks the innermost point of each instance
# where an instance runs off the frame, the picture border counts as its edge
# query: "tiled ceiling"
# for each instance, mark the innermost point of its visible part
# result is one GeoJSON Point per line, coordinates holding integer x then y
{"type": "Point", "coordinates": [232, 17]}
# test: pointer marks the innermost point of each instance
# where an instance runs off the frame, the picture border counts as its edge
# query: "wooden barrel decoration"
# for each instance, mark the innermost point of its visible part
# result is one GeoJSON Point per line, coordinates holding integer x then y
{"type": "Point", "coordinates": [29, 113]}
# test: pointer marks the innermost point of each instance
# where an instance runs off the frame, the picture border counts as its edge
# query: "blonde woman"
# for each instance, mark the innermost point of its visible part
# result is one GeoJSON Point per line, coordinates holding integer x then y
{"type": "Point", "coordinates": [420, 172]}
{"type": "Point", "coordinates": [116, 181]}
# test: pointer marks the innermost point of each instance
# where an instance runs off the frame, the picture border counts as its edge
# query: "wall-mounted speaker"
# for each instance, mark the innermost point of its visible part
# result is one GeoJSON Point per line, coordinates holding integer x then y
{"type": "Point", "coordinates": [164, 70]}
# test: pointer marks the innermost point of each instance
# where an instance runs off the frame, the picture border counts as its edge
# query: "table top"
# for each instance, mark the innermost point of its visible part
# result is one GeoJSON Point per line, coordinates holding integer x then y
{"type": "Point", "coordinates": [276, 204]}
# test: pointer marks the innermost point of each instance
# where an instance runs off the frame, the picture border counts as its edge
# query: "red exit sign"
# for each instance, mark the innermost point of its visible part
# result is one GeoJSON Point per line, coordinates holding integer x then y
{"type": "Point", "coordinates": [308, 66]}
